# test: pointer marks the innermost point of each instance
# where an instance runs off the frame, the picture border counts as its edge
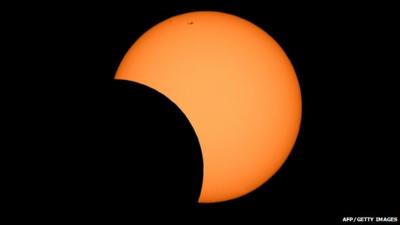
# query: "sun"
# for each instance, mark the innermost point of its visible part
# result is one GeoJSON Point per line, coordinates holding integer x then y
{"type": "Point", "coordinates": [236, 86]}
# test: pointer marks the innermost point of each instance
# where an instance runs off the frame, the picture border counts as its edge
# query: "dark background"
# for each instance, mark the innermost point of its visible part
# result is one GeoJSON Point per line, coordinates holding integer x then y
{"type": "Point", "coordinates": [345, 160]}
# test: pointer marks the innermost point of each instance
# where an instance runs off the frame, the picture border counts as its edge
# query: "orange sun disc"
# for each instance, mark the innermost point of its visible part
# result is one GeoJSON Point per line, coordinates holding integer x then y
{"type": "Point", "coordinates": [236, 86]}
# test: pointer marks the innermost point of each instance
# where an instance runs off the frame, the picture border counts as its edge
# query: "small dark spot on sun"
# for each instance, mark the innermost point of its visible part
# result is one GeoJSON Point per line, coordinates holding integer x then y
{"type": "Point", "coordinates": [190, 23]}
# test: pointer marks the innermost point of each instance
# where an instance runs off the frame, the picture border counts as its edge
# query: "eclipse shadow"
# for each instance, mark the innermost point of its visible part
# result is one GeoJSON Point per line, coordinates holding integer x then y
{"type": "Point", "coordinates": [155, 159]}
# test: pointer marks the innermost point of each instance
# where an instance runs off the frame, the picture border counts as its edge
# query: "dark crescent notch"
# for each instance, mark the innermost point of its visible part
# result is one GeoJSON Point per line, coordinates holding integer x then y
{"type": "Point", "coordinates": [154, 157]}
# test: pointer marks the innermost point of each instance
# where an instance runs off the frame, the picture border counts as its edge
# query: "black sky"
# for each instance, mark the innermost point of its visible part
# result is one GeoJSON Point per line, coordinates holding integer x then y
{"type": "Point", "coordinates": [345, 161]}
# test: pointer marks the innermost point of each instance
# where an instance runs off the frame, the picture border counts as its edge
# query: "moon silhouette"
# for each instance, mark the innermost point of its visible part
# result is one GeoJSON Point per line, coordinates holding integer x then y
{"type": "Point", "coordinates": [235, 85]}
